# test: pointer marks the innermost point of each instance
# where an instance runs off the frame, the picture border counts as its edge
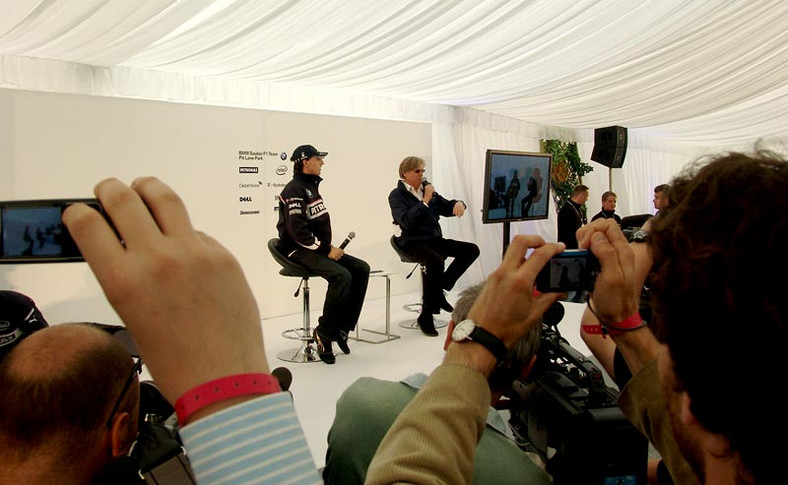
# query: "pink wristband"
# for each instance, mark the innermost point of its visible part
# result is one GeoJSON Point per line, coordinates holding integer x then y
{"type": "Point", "coordinates": [631, 323]}
{"type": "Point", "coordinates": [221, 389]}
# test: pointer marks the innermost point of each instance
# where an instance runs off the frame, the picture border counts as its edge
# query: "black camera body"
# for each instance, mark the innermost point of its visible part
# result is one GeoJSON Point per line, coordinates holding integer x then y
{"type": "Point", "coordinates": [566, 412]}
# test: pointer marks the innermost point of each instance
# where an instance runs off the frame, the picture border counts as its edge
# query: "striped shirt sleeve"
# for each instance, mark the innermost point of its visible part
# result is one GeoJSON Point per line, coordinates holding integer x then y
{"type": "Point", "coordinates": [259, 441]}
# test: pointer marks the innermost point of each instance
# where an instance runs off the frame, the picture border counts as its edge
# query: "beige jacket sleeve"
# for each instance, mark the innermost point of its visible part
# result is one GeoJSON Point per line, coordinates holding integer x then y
{"type": "Point", "coordinates": [642, 402]}
{"type": "Point", "coordinates": [434, 438]}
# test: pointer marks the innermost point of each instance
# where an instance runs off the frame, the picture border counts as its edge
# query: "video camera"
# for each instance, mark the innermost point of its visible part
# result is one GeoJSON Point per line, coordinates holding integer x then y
{"type": "Point", "coordinates": [566, 412]}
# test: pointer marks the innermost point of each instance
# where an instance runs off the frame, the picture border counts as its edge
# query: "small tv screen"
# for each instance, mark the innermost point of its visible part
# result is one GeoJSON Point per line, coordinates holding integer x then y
{"type": "Point", "coordinates": [517, 186]}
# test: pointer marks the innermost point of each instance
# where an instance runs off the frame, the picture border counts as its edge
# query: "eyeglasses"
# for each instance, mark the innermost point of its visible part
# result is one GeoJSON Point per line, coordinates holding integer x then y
{"type": "Point", "coordinates": [420, 170]}
{"type": "Point", "coordinates": [135, 371]}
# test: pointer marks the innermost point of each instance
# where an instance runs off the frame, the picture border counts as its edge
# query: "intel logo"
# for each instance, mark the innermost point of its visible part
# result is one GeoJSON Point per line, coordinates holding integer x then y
{"type": "Point", "coordinates": [281, 169]}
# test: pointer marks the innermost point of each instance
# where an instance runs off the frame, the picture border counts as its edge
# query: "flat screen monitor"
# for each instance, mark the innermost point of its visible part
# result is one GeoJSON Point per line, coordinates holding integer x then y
{"type": "Point", "coordinates": [517, 186]}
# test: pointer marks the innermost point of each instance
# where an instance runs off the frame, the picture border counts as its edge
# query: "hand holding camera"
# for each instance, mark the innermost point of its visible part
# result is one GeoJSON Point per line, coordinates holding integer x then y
{"type": "Point", "coordinates": [181, 294]}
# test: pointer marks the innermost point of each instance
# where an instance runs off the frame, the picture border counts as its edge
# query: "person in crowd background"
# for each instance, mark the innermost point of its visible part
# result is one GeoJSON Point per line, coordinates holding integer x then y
{"type": "Point", "coordinates": [433, 440]}
{"type": "Point", "coordinates": [416, 208]}
{"type": "Point", "coordinates": [608, 211]}
{"type": "Point", "coordinates": [572, 216]}
{"type": "Point", "coordinates": [366, 410]}
{"type": "Point", "coordinates": [671, 467]}
{"type": "Point", "coordinates": [19, 317]}
{"type": "Point", "coordinates": [661, 197]}
{"type": "Point", "coordinates": [305, 237]}
{"type": "Point", "coordinates": [70, 406]}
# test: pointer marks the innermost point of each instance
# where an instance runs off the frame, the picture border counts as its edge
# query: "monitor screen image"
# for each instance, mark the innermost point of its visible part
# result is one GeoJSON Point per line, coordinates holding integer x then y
{"type": "Point", "coordinates": [517, 186]}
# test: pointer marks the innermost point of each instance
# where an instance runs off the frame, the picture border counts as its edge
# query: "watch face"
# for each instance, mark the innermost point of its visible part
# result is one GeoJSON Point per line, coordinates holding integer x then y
{"type": "Point", "coordinates": [462, 330]}
{"type": "Point", "coordinates": [640, 236]}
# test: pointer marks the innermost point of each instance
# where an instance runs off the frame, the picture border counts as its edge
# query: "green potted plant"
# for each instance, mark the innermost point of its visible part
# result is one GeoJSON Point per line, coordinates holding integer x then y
{"type": "Point", "coordinates": [568, 169]}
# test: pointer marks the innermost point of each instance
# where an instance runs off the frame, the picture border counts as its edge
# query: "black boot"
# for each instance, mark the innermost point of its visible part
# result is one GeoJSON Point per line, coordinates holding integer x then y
{"type": "Point", "coordinates": [426, 324]}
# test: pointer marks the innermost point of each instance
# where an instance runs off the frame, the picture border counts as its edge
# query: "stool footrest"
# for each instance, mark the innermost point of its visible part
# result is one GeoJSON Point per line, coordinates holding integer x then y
{"type": "Point", "coordinates": [414, 324]}
{"type": "Point", "coordinates": [298, 333]}
{"type": "Point", "coordinates": [306, 353]}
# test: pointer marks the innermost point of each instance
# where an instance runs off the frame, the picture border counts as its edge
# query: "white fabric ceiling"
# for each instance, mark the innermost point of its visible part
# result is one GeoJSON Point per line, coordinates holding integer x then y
{"type": "Point", "coordinates": [711, 72]}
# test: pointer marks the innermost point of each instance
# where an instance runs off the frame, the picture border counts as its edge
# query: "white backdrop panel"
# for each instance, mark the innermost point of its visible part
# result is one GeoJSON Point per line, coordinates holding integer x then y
{"type": "Point", "coordinates": [59, 146]}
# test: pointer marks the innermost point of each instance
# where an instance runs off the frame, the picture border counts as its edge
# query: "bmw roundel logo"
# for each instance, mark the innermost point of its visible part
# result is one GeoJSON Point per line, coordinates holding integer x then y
{"type": "Point", "coordinates": [283, 156]}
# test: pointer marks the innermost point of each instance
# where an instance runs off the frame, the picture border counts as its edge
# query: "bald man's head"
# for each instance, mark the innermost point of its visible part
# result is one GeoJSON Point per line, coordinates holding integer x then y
{"type": "Point", "coordinates": [58, 386]}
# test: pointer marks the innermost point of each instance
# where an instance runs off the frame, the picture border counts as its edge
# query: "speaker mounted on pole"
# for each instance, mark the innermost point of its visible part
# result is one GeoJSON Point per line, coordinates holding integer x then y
{"type": "Point", "coordinates": [610, 146]}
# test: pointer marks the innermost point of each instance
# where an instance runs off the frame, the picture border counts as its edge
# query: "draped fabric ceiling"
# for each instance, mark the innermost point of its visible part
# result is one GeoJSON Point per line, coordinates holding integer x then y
{"type": "Point", "coordinates": [711, 72]}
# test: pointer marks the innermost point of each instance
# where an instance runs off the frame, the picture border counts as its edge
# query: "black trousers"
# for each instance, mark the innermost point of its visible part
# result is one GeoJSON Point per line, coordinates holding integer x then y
{"type": "Point", "coordinates": [432, 254]}
{"type": "Point", "coordinates": [347, 287]}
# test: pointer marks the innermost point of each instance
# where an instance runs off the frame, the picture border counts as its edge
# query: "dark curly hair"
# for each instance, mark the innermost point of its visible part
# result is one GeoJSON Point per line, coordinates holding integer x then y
{"type": "Point", "coordinates": [717, 255]}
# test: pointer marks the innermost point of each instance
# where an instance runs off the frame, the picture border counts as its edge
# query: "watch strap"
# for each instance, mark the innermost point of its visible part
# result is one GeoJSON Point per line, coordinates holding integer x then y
{"type": "Point", "coordinates": [488, 341]}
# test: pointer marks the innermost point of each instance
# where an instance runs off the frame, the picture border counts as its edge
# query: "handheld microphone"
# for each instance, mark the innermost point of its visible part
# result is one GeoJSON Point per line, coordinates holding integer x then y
{"type": "Point", "coordinates": [347, 240]}
{"type": "Point", "coordinates": [284, 376]}
{"type": "Point", "coordinates": [425, 182]}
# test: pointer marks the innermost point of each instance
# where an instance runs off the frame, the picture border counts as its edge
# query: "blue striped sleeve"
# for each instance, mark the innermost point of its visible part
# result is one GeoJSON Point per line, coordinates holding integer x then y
{"type": "Point", "coordinates": [257, 441]}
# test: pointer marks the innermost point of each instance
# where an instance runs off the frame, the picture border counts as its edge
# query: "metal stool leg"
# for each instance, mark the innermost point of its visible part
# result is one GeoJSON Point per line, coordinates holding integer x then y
{"type": "Point", "coordinates": [387, 336]}
{"type": "Point", "coordinates": [307, 352]}
{"type": "Point", "coordinates": [416, 307]}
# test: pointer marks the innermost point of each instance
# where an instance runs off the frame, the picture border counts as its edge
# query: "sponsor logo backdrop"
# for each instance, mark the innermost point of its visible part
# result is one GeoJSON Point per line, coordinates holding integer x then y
{"type": "Point", "coordinates": [228, 164]}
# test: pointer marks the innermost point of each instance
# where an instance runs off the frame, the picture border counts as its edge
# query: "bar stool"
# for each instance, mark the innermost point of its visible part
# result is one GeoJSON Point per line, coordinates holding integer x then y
{"type": "Point", "coordinates": [413, 307]}
{"type": "Point", "coordinates": [307, 352]}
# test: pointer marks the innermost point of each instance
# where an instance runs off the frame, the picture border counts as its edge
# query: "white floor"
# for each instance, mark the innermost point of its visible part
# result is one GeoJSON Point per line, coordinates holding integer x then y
{"type": "Point", "coordinates": [317, 386]}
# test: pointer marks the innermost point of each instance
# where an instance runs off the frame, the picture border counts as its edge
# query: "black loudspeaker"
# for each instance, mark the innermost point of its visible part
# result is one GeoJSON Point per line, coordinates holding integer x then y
{"type": "Point", "coordinates": [610, 146]}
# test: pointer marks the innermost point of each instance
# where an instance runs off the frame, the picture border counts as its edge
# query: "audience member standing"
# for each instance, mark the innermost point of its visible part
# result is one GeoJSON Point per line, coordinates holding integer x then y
{"type": "Point", "coordinates": [305, 237]}
{"type": "Point", "coordinates": [572, 216]}
{"type": "Point", "coordinates": [608, 211]}
{"type": "Point", "coordinates": [661, 197]}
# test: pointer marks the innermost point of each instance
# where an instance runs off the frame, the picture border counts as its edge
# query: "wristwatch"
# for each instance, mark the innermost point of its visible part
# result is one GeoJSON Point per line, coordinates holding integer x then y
{"type": "Point", "coordinates": [468, 331]}
{"type": "Point", "coordinates": [641, 236]}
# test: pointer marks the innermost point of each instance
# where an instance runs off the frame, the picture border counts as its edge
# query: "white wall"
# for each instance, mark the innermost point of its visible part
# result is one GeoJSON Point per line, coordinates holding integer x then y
{"type": "Point", "coordinates": [59, 146]}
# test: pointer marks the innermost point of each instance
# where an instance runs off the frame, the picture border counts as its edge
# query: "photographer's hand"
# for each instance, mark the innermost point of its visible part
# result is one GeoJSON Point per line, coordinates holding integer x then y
{"type": "Point", "coordinates": [507, 306]}
{"type": "Point", "coordinates": [616, 291]}
{"type": "Point", "coordinates": [182, 295]}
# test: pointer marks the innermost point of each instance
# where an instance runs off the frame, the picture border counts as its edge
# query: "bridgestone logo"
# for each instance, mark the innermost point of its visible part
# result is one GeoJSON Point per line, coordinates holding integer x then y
{"type": "Point", "coordinates": [247, 169]}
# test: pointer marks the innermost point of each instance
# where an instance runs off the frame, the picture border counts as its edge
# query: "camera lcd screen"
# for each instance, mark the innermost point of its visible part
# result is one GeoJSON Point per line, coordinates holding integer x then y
{"type": "Point", "coordinates": [568, 271]}
{"type": "Point", "coordinates": [32, 231]}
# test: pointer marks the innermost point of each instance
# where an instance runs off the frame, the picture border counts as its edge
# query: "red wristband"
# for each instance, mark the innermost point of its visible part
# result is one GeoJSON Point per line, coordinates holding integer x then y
{"type": "Point", "coordinates": [633, 322]}
{"type": "Point", "coordinates": [221, 389]}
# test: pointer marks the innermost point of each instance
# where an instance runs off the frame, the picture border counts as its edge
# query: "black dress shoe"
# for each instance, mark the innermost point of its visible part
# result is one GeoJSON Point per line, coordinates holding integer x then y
{"type": "Point", "coordinates": [426, 324]}
{"type": "Point", "coordinates": [324, 350]}
{"type": "Point", "coordinates": [444, 304]}
{"type": "Point", "coordinates": [342, 342]}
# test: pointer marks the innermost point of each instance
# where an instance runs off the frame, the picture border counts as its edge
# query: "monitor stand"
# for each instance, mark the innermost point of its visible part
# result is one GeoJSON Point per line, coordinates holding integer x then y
{"type": "Point", "coordinates": [506, 237]}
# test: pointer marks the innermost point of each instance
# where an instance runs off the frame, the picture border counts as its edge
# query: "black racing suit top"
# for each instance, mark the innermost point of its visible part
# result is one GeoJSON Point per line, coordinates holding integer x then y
{"type": "Point", "coordinates": [304, 222]}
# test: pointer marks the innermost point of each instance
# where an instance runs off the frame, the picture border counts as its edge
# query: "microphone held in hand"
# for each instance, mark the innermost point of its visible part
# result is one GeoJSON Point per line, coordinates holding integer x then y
{"type": "Point", "coordinates": [424, 182]}
{"type": "Point", "coordinates": [347, 240]}
{"type": "Point", "coordinates": [284, 376]}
